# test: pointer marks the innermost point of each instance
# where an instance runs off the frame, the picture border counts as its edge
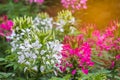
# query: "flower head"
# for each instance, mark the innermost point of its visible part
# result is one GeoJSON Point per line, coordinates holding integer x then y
{"type": "Point", "coordinates": [74, 4]}
{"type": "Point", "coordinates": [76, 53]}
{"type": "Point", "coordinates": [6, 27]}
{"type": "Point", "coordinates": [73, 72]}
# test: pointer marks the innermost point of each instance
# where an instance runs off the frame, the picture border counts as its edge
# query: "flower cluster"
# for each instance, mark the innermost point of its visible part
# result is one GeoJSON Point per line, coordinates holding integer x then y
{"type": "Point", "coordinates": [106, 45]}
{"type": "Point", "coordinates": [22, 22]}
{"type": "Point", "coordinates": [116, 44]}
{"type": "Point", "coordinates": [76, 54]}
{"type": "Point", "coordinates": [6, 27]}
{"type": "Point", "coordinates": [27, 50]}
{"type": "Point", "coordinates": [118, 57]}
{"type": "Point", "coordinates": [54, 47]}
{"type": "Point", "coordinates": [33, 46]}
{"type": "Point", "coordinates": [107, 40]}
{"type": "Point", "coordinates": [104, 41]}
{"type": "Point", "coordinates": [74, 4]}
{"type": "Point", "coordinates": [65, 22]}
{"type": "Point", "coordinates": [43, 22]}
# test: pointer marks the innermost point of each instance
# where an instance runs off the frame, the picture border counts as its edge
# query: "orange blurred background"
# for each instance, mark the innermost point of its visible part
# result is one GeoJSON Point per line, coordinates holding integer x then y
{"type": "Point", "coordinates": [99, 12]}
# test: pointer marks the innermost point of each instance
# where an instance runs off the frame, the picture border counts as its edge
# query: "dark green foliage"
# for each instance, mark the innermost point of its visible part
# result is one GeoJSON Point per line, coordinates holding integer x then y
{"type": "Point", "coordinates": [4, 45]}
{"type": "Point", "coordinates": [12, 9]}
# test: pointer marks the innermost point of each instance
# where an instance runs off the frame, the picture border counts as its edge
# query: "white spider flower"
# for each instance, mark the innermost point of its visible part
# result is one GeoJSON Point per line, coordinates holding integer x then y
{"type": "Point", "coordinates": [25, 69]}
{"type": "Point", "coordinates": [55, 73]}
{"type": "Point", "coordinates": [72, 29]}
{"type": "Point", "coordinates": [42, 52]}
{"type": "Point", "coordinates": [35, 68]}
{"type": "Point", "coordinates": [36, 44]}
{"type": "Point", "coordinates": [47, 62]}
{"type": "Point", "coordinates": [52, 61]}
{"type": "Point", "coordinates": [42, 68]}
{"type": "Point", "coordinates": [21, 59]}
{"type": "Point", "coordinates": [55, 46]}
{"type": "Point", "coordinates": [44, 23]}
{"type": "Point", "coordinates": [27, 63]}
{"type": "Point", "coordinates": [34, 56]}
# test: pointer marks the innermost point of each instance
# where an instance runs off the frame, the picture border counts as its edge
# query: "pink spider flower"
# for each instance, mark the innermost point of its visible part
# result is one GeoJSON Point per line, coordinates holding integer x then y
{"type": "Point", "coordinates": [74, 4]}
{"type": "Point", "coordinates": [112, 64]}
{"type": "Point", "coordinates": [6, 27]}
{"type": "Point", "coordinates": [75, 54]}
{"type": "Point", "coordinates": [117, 57]}
{"type": "Point", "coordinates": [74, 72]}
{"type": "Point", "coordinates": [103, 40]}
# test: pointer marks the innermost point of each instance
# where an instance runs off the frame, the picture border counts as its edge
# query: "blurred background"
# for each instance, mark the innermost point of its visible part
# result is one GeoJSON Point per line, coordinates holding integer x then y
{"type": "Point", "coordinates": [99, 12]}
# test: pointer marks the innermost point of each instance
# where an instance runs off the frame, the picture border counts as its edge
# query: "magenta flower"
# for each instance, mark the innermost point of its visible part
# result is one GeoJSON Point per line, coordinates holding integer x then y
{"type": "Point", "coordinates": [118, 57]}
{"type": "Point", "coordinates": [73, 72]}
{"type": "Point", "coordinates": [104, 40]}
{"type": "Point", "coordinates": [74, 4]}
{"type": "Point", "coordinates": [6, 27]}
{"type": "Point", "coordinates": [70, 65]}
{"type": "Point", "coordinates": [76, 54]}
{"type": "Point", "coordinates": [112, 64]}
{"type": "Point", "coordinates": [62, 68]}
{"type": "Point", "coordinates": [116, 44]}
{"type": "Point", "coordinates": [85, 71]}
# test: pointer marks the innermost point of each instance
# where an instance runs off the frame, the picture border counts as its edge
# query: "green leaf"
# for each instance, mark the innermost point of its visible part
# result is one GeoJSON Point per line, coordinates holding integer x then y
{"type": "Point", "coordinates": [9, 65]}
{"type": "Point", "coordinates": [5, 75]}
{"type": "Point", "coordinates": [117, 77]}
{"type": "Point", "coordinates": [56, 78]}
{"type": "Point", "coordinates": [67, 77]}
{"type": "Point", "coordinates": [2, 59]}
{"type": "Point", "coordinates": [15, 67]}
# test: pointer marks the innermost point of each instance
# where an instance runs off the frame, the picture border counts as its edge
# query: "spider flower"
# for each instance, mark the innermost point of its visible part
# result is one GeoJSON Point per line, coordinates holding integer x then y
{"type": "Point", "coordinates": [74, 4]}
{"type": "Point", "coordinates": [6, 27]}
{"type": "Point", "coordinates": [77, 57]}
